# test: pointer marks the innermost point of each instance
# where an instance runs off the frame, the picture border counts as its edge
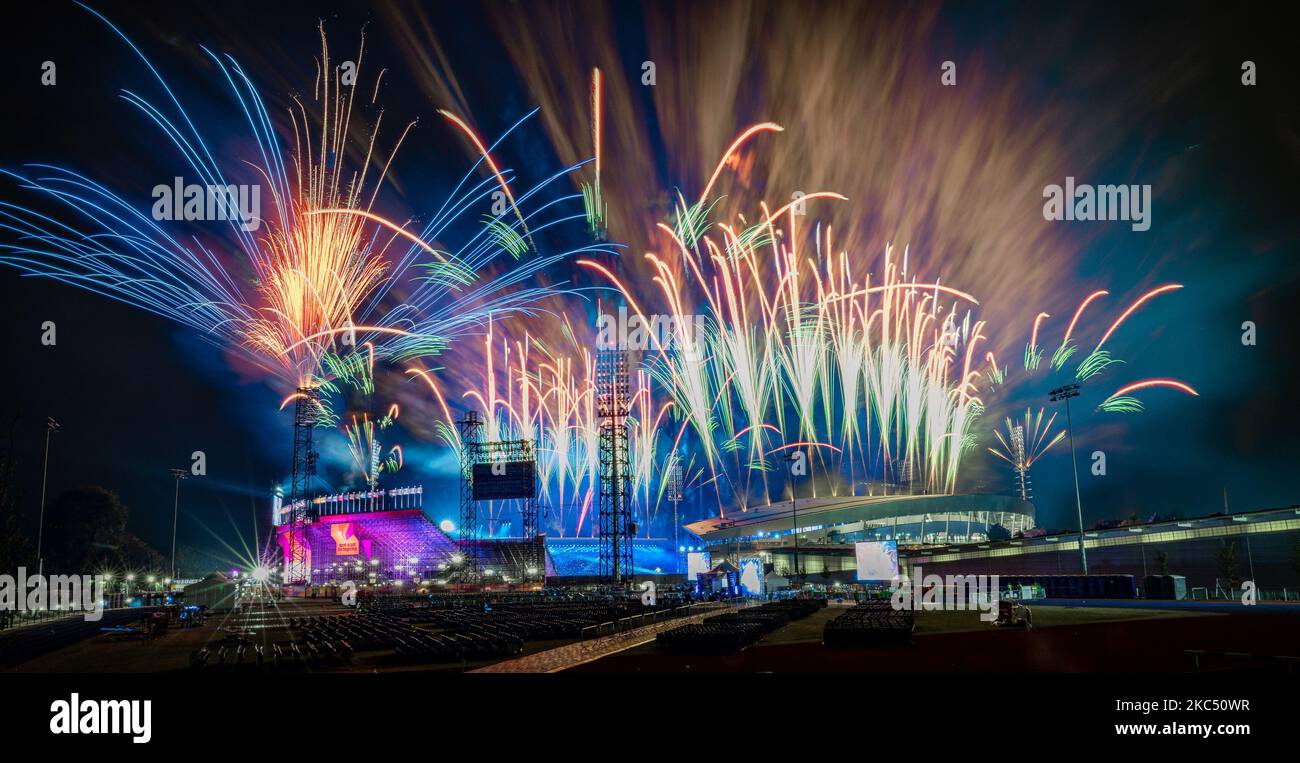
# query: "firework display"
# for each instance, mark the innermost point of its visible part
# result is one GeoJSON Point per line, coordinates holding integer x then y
{"type": "Point", "coordinates": [309, 299]}
{"type": "Point", "coordinates": [646, 337]}
{"type": "Point", "coordinates": [758, 333]}
{"type": "Point", "coordinates": [317, 267]}
{"type": "Point", "coordinates": [877, 375]}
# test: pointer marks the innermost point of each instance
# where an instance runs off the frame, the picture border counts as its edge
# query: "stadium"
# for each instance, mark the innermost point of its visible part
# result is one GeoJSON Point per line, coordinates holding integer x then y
{"type": "Point", "coordinates": [917, 520]}
{"type": "Point", "coordinates": [992, 534]}
{"type": "Point", "coordinates": [385, 538]}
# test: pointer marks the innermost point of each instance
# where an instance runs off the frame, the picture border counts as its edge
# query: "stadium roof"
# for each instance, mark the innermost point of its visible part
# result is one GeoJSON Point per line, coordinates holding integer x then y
{"type": "Point", "coordinates": [828, 512]}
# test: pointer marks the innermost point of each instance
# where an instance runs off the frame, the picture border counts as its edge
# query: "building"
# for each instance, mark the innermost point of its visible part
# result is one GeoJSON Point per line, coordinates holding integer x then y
{"type": "Point", "coordinates": [1210, 551]}
{"type": "Point", "coordinates": [828, 527]}
{"type": "Point", "coordinates": [958, 535]}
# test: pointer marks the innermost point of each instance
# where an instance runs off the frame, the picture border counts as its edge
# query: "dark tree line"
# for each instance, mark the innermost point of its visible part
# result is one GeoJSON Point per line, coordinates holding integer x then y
{"type": "Point", "coordinates": [14, 543]}
{"type": "Point", "coordinates": [85, 528]}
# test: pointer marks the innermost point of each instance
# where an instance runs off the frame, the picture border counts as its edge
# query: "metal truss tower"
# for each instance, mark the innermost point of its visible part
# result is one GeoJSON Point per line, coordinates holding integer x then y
{"type": "Point", "coordinates": [675, 493]}
{"type": "Point", "coordinates": [616, 525]}
{"type": "Point", "coordinates": [471, 430]}
{"type": "Point", "coordinates": [510, 454]}
{"type": "Point", "coordinates": [306, 413]}
{"type": "Point", "coordinates": [516, 452]}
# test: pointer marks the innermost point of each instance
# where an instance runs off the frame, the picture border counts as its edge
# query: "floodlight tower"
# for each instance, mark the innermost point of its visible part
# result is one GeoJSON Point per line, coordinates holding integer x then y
{"type": "Point", "coordinates": [51, 427]}
{"type": "Point", "coordinates": [1020, 463]}
{"type": "Point", "coordinates": [793, 457]}
{"type": "Point", "coordinates": [1063, 394]}
{"type": "Point", "coordinates": [179, 474]}
{"type": "Point", "coordinates": [373, 477]}
{"type": "Point", "coordinates": [904, 471]}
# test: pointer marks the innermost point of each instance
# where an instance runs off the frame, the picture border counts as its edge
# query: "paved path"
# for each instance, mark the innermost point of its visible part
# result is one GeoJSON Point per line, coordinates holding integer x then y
{"type": "Point", "coordinates": [571, 655]}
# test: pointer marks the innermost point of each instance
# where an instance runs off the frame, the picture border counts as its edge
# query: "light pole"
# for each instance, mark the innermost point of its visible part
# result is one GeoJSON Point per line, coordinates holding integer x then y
{"type": "Point", "coordinates": [1063, 394]}
{"type": "Point", "coordinates": [51, 426]}
{"type": "Point", "coordinates": [792, 457]}
{"type": "Point", "coordinates": [179, 474]}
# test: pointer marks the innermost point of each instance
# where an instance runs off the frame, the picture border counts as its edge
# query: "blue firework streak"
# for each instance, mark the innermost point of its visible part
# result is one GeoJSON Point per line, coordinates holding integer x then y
{"type": "Point", "coordinates": [296, 297]}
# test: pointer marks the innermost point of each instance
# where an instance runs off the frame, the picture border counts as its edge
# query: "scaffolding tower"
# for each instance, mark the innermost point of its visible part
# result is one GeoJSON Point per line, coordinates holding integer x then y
{"type": "Point", "coordinates": [471, 430]}
{"type": "Point", "coordinates": [616, 524]}
{"type": "Point", "coordinates": [504, 455]}
{"type": "Point", "coordinates": [675, 492]}
{"type": "Point", "coordinates": [521, 452]}
{"type": "Point", "coordinates": [306, 413]}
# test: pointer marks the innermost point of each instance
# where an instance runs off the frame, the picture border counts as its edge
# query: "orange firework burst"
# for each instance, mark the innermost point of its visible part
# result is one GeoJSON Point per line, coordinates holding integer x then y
{"type": "Point", "coordinates": [319, 263]}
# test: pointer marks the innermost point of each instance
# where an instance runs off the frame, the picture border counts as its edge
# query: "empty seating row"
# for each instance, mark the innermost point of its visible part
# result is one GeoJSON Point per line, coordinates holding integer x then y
{"type": "Point", "coordinates": [870, 623]}
{"type": "Point", "coordinates": [736, 630]}
{"type": "Point", "coordinates": [710, 637]}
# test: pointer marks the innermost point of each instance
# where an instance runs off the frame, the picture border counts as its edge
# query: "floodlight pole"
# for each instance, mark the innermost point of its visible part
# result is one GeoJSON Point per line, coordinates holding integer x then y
{"type": "Point", "coordinates": [794, 515]}
{"type": "Point", "coordinates": [1250, 556]}
{"type": "Point", "coordinates": [677, 549]}
{"type": "Point", "coordinates": [1064, 394]}
{"type": "Point", "coordinates": [51, 426]}
{"type": "Point", "coordinates": [179, 474]}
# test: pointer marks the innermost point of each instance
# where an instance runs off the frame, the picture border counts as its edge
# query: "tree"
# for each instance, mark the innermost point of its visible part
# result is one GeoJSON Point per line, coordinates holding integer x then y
{"type": "Point", "coordinates": [1228, 563]}
{"type": "Point", "coordinates": [134, 553]}
{"type": "Point", "coordinates": [194, 563]}
{"type": "Point", "coordinates": [1162, 563]}
{"type": "Point", "coordinates": [84, 529]}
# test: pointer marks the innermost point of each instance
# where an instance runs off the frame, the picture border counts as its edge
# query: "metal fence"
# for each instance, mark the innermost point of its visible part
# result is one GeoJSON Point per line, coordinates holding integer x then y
{"type": "Point", "coordinates": [19, 618]}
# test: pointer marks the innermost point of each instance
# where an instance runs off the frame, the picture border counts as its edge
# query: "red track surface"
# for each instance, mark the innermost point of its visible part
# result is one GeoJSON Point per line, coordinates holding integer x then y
{"type": "Point", "coordinates": [1132, 646]}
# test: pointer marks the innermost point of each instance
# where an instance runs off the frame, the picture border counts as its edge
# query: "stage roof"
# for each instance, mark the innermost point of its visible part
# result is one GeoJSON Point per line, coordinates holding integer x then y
{"type": "Point", "coordinates": [827, 512]}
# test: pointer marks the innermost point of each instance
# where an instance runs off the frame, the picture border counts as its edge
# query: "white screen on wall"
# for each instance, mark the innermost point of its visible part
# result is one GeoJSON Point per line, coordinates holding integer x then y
{"type": "Point", "coordinates": [877, 559]}
{"type": "Point", "coordinates": [751, 576]}
{"type": "Point", "coordinates": [696, 562]}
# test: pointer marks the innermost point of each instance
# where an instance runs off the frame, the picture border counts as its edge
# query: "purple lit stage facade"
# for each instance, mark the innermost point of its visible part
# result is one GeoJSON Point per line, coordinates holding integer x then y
{"type": "Point", "coordinates": [381, 536]}
{"type": "Point", "coordinates": [376, 545]}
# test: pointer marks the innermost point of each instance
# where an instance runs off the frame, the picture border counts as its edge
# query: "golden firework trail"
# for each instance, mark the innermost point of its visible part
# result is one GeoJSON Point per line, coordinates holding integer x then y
{"type": "Point", "coordinates": [319, 267]}
{"type": "Point", "coordinates": [810, 335]}
{"type": "Point", "coordinates": [763, 346]}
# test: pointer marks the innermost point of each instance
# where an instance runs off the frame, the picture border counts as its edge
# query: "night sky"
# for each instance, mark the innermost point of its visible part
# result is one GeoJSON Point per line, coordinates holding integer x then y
{"type": "Point", "coordinates": [1143, 95]}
